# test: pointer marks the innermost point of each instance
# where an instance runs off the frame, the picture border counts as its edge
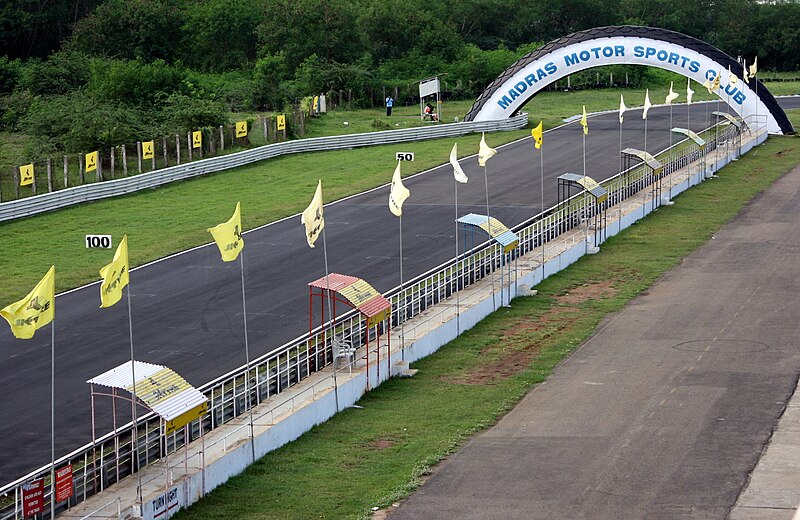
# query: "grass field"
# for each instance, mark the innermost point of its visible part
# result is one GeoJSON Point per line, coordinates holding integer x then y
{"type": "Point", "coordinates": [374, 456]}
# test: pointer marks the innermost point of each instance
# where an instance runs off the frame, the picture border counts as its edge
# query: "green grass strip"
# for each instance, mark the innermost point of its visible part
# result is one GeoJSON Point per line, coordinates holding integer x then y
{"type": "Point", "coordinates": [376, 455]}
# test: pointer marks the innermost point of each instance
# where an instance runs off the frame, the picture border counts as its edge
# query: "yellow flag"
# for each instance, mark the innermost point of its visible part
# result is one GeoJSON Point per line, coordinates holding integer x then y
{"type": "Point", "coordinates": [148, 149]}
{"type": "Point", "coordinates": [715, 83]}
{"type": "Point", "coordinates": [115, 276]}
{"type": "Point", "coordinates": [35, 310]}
{"type": "Point", "coordinates": [281, 122]}
{"type": "Point", "coordinates": [647, 103]}
{"type": "Point", "coordinates": [197, 139]}
{"type": "Point", "coordinates": [707, 85]}
{"type": "Point", "coordinates": [485, 152]}
{"type": "Point", "coordinates": [689, 91]}
{"type": "Point", "coordinates": [313, 218]}
{"type": "Point", "coordinates": [672, 95]}
{"type": "Point", "coordinates": [622, 108]}
{"type": "Point", "coordinates": [228, 236]}
{"type": "Point", "coordinates": [754, 68]}
{"type": "Point", "coordinates": [316, 103]}
{"type": "Point", "coordinates": [398, 193]}
{"type": "Point", "coordinates": [26, 175]}
{"type": "Point", "coordinates": [537, 134]}
{"type": "Point", "coordinates": [241, 129]}
{"type": "Point", "coordinates": [91, 162]}
{"type": "Point", "coordinates": [745, 75]}
{"type": "Point", "coordinates": [584, 121]}
{"type": "Point", "coordinates": [732, 79]}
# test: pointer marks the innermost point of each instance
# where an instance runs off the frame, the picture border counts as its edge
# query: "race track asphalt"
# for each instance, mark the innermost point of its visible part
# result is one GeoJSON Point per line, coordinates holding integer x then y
{"type": "Point", "coordinates": [187, 308]}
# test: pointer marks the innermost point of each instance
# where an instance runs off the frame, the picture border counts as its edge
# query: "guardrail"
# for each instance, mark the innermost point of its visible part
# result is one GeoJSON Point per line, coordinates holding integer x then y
{"type": "Point", "coordinates": [88, 192]}
{"type": "Point", "coordinates": [95, 467]}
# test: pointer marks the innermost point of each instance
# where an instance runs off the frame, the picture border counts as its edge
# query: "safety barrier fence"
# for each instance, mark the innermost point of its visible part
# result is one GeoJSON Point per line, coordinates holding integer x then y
{"type": "Point", "coordinates": [111, 458]}
{"type": "Point", "coordinates": [100, 190]}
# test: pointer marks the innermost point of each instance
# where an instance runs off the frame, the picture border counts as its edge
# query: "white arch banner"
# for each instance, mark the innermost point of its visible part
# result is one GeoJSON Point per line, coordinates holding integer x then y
{"type": "Point", "coordinates": [621, 50]}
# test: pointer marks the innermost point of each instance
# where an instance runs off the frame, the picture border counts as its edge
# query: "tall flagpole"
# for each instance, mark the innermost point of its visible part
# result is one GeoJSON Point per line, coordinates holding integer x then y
{"type": "Point", "coordinates": [541, 198]}
{"type": "Point", "coordinates": [247, 361]}
{"type": "Point", "coordinates": [402, 331]}
{"type": "Point", "coordinates": [330, 317]}
{"type": "Point", "coordinates": [53, 417]}
{"type": "Point", "coordinates": [458, 268]}
{"type": "Point", "coordinates": [134, 430]}
{"type": "Point", "coordinates": [489, 226]}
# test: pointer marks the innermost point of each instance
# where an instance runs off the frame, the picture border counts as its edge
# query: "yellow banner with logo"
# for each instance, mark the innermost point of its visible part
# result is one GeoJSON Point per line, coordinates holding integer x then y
{"type": "Point", "coordinates": [115, 276]}
{"type": "Point", "coordinates": [148, 150]}
{"type": "Point", "coordinates": [228, 236]}
{"type": "Point", "coordinates": [35, 310]}
{"type": "Point", "coordinates": [281, 122]}
{"type": "Point", "coordinates": [26, 175]}
{"type": "Point", "coordinates": [241, 129]}
{"type": "Point", "coordinates": [91, 162]}
{"type": "Point", "coordinates": [182, 420]}
{"type": "Point", "coordinates": [197, 139]}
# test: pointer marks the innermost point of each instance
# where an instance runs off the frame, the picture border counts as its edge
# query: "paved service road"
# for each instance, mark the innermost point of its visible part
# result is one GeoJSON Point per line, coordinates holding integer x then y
{"type": "Point", "coordinates": [664, 412]}
{"type": "Point", "coordinates": [187, 309]}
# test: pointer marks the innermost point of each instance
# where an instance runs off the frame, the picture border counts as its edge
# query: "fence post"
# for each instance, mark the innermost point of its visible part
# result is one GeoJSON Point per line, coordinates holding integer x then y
{"type": "Point", "coordinates": [222, 137]}
{"type": "Point", "coordinates": [302, 123]}
{"type": "Point", "coordinates": [124, 160]}
{"type": "Point", "coordinates": [177, 149]}
{"type": "Point", "coordinates": [189, 144]}
{"type": "Point", "coordinates": [49, 175]}
{"type": "Point", "coordinates": [139, 155]}
{"type": "Point", "coordinates": [112, 155]}
{"type": "Point", "coordinates": [66, 173]}
{"type": "Point", "coordinates": [33, 186]}
{"type": "Point", "coordinates": [80, 169]}
{"type": "Point", "coordinates": [284, 127]}
{"type": "Point", "coordinates": [99, 170]}
{"type": "Point", "coordinates": [212, 147]}
{"type": "Point", "coordinates": [16, 181]}
{"type": "Point", "coordinates": [202, 142]}
{"type": "Point", "coordinates": [266, 135]}
{"type": "Point", "coordinates": [1, 188]}
{"type": "Point", "coordinates": [349, 98]}
{"type": "Point", "coordinates": [164, 146]}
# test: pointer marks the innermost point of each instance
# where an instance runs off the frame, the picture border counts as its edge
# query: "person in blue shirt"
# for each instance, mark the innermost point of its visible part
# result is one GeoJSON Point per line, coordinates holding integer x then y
{"type": "Point", "coordinates": [389, 105]}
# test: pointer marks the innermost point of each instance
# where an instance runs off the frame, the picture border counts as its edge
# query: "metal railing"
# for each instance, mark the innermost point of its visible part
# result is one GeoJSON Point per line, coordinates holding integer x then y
{"type": "Point", "coordinates": [100, 190]}
{"type": "Point", "coordinates": [100, 465]}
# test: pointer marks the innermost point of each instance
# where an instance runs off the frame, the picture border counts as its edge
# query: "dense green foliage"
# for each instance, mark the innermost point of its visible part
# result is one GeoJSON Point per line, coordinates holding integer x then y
{"type": "Point", "coordinates": [135, 61]}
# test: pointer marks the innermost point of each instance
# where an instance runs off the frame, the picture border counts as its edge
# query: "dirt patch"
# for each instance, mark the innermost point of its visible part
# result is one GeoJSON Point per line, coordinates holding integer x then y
{"type": "Point", "coordinates": [521, 343]}
{"type": "Point", "coordinates": [781, 153]}
{"type": "Point", "coordinates": [381, 444]}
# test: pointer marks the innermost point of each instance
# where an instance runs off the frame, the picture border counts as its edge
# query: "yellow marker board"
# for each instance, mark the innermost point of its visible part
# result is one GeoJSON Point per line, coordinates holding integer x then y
{"type": "Point", "coordinates": [197, 139]}
{"type": "Point", "coordinates": [91, 162]}
{"type": "Point", "coordinates": [241, 129]}
{"type": "Point", "coordinates": [26, 175]}
{"type": "Point", "coordinates": [148, 150]}
{"type": "Point", "coordinates": [182, 420]}
{"type": "Point", "coordinates": [159, 387]}
{"type": "Point", "coordinates": [281, 122]}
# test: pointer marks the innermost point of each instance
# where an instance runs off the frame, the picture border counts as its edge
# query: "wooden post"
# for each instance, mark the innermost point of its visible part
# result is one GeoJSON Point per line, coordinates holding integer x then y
{"type": "Point", "coordinates": [212, 145]}
{"type": "Point", "coordinates": [16, 181]}
{"type": "Point", "coordinates": [99, 166]}
{"type": "Point", "coordinates": [153, 158]}
{"type": "Point", "coordinates": [222, 137]}
{"type": "Point", "coordinates": [112, 156]}
{"type": "Point", "coordinates": [284, 128]}
{"type": "Point", "coordinates": [139, 155]}
{"type": "Point", "coordinates": [302, 124]}
{"type": "Point", "coordinates": [177, 149]}
{"type": "Point", "coordinates": [49, 175]}
{"type": "Point", "coordinates": [349, 98]}
{"type": "Point", "coordinates": [80, 168]}
{"type": "Point", "coordinates": [189, 142]}
{"type": "Point", "coordinates": [66, 172]}
{"type": "Point", "coordinates": [33, 186]}
{"type": "Point", "coordinates": [200, 150]}
{"type": "Point", "coordinates": [1, 189]}
{"type": "Point", "coordinates": [266, 135]}
{"type": "Point", "coordinates": [166, 156]}
{"type": "Point", "coordinates": [124, 160]}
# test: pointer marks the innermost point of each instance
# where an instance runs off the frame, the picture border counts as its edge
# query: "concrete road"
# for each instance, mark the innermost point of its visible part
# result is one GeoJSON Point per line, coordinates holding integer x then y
{"type": "Point", "coordinates": [187, 308]}
{"type": "Point", "coordinates": [664, 412]}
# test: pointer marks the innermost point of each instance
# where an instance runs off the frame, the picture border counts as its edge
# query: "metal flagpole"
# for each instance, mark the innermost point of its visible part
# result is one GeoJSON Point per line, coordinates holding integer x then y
{"type": "Point", "coordinates": [402, 331]}
{"type": "Point", "coordinates": [489, 225]}
{"type": "Point", "coordinates": [53, 417]}
{"type": "Point", "coordinates": [458, 268]}
{"type": "Point", "coordinates": [247, 361]}
{"type": "Point", "coordinates": [620, 145]}
{"type": "Point", "coordinates": [134, 430]}
{"type": "Point", "coordinates": [670, 125]}
{"type": "Point", "coordinates": [644, 202]}
{"type": "Point", "coordinates": [541, 211]}
{"type": "Point", "coordinates": [330, 317]}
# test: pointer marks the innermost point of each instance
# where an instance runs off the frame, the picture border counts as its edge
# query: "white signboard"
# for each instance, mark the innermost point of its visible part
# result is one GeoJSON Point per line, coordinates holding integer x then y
{"type": "Point", "coordinates": [428, 87]}
{"type": "Point", "coordinates": [98, 241]}
{"type": "Point", "coordinates": [404, 156]}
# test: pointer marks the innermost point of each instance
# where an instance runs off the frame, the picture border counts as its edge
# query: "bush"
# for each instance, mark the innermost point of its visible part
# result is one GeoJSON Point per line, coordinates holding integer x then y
{"type": "Point", "coordinates": [9, 74]}
{"type": "Point", "coordinates": [181, 113]}
{"type": "Point", "coordinates": [62, 73]}
{"type": "Point", "coordinates": [135, 82]}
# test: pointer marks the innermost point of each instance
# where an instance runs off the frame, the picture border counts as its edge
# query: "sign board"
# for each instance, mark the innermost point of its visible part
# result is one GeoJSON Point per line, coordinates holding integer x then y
{"type": "Point", "coordinates": [182, 420]}
{"type": "Point", "coordinates": [165, 503]}
{"type": "Point", "coordinates": [429, 87]}
{"type": "Point", "coordinates": [32, 498]}
{"type": "Point", "coordinates": [91, 162]}
{"type": "Point", "coordinates": [241, 129]}
{"type": "Point", "coordinates": [98, 241]}
{"type": "Point", "coordinates": [197, 139]}
{"type": "Point", "coordinates": [64, 483]}
{"type": "Point", "coordinates": [148, 150]}
{"type": "Point", "coordinates": [281, 122]}
{"type": "Point", "coordinates": [404, 156]}
{"type": "Point", "coordinates": [26, 175]}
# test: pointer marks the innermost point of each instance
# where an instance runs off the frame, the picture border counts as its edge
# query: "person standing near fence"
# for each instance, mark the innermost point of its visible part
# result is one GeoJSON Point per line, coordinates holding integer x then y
{"type": "Point", "coordinates": [389, 105]}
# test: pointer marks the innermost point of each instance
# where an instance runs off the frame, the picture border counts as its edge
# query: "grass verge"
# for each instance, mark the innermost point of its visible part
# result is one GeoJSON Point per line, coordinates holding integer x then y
{"type": "Point", "coordinates": [378, 454]}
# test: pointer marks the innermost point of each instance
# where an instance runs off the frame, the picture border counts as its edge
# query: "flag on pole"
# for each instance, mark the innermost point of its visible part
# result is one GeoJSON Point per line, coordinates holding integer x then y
{"type": "Point", "coordinates": [115, 276]}
{"type": "Point", "coordinates": [715, 83]}
{"type": "Point", "coordinates": [647, 103]}
{"type": "Point", "coordinates": [672, 95]}
{"type": "Point", "coordinates": [458, 172]}
{"type": "Point", "coordinates": [689, 91]}
{"type": "Point", "coordinates": [228, 236]}
{"type": "Point", "coordinates": [484, 151]}
{"type": "Point", "coordinates": [312, 218]}
{"type": "Point", "coordinates": [707, 85]}
{"type": "Point", "coordinates": [745, 75]}
{"type": "Point", "coordinates": [754, 68]}
{"type": "Point", "coordinates": [398, 193]}
{"type": "Point", "coordinates": [732, 79]}
{"type": "Point", "coordinates": [622, 108]}
{"type": "Point", "coordinates": [538, 136]}
{"type": "Point", "coordinates": [34, 311]}
{"type": "Point", "coordinates": [584, 121]}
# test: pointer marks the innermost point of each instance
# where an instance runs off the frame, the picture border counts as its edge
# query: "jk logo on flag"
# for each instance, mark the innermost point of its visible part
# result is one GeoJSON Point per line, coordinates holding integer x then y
{"type": "Point", "coordinates": [35, 310]}
{"type": "Point", "coordinates": [115, 276]}
{"type": "Point", "coordinates": [584, 121]}
{"type": "Point", "coordinates": [228, 236]}
{"type": "Point", "coordinates": [312, 218]}
{"type": "Point", "coordinates": [538, 134]}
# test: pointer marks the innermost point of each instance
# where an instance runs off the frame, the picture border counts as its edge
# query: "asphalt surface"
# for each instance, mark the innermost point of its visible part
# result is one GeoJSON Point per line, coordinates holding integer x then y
{"type": "Point", "coordinates": [664, 412]}
{"type": "Point", "coordinates": [187, 308]}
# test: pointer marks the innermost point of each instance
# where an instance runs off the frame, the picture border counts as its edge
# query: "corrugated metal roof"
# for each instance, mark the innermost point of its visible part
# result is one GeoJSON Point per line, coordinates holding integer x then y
{"type": "Point", "coordinates": [358, 292]}
{"type": "Point", "coordinates": [496, 229]}
{"type": "Point", "coordinates": [160, 388]}
{"type": "Point", "coordinates": [337, 282]}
